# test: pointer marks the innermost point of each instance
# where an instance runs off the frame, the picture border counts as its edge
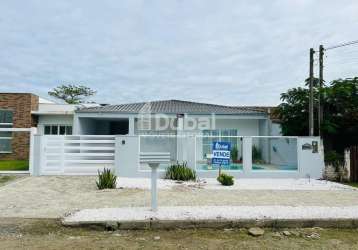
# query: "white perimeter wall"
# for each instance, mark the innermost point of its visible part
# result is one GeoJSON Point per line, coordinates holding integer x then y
{"type": "Point", "coordinates": [309, 164]}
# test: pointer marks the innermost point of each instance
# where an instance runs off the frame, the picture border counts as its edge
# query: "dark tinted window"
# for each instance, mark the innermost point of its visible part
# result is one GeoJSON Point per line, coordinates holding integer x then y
{"type": "Point", "coordinates": [68, 130]}
{"type": "Point", "coordinates": [62, 130]}
{"type": "Point", "coordinates": [5, 116]}
{"type": "Point", "coordinates": [47, 130]}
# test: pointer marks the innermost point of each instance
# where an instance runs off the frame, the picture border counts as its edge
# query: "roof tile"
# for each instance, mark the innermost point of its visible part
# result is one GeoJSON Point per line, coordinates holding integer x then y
{"type": "Point", "coordinates": [172, 107]}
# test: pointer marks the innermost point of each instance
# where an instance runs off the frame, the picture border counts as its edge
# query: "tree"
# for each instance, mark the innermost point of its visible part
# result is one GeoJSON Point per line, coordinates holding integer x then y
{"type": "Point", "coordinates": [72, 94]}
{"type": "Point", "coordinates": [341, 109]}
{"type": "Point", "coordinates": [340, 101]}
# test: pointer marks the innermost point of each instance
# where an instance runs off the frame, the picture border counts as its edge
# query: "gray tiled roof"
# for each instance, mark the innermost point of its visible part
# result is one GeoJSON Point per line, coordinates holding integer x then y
{"type": "Point", "coordinates": [172, 107]}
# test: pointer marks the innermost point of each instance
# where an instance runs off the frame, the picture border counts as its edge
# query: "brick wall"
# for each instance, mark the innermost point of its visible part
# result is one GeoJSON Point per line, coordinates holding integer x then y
{"type": "Point", "coordinates": [21, 104]}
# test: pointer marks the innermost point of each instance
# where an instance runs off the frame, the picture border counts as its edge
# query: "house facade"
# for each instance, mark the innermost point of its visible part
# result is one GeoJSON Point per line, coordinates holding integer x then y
{"type": "Point", "coordinates": [186, 130]}
{"type": "Point", "coordinates": [172, 117]}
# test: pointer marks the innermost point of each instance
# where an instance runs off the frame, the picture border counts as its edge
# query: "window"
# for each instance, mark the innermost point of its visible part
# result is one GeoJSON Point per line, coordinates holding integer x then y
{"type": "Point", "coordinates": [5, 117]}
{"type": "Point", "coordinates": [218, 135]}
{"type": "Point", "coordinates": [58, 130]}
{"type": "Point", "coordinates": [5, 137]}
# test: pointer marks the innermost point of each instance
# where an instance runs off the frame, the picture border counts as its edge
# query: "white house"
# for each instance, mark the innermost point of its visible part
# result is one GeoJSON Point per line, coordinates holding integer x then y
{"type": "Point", "coordinates": [172, 117]}
{"type": "Point", "coordinates": [115, 135]}
{"type": "Point", "coordinates": [175, 120]}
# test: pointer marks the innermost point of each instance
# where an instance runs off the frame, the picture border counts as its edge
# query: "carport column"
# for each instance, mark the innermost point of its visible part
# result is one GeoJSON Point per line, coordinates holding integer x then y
{"type": "Point", "coordinates": [131, 126]}
{"type": "Point", "coordinates": [118, 144]}
{"type": "Point", "coordinates": [180, 139]}
{"type": "Point", "coordinates": [76, 130]}
{"type": "Point", "coordinates": [247, 154]}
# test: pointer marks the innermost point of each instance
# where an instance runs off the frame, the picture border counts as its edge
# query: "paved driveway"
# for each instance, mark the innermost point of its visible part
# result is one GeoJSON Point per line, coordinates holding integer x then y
{"type": "Point", "coordinates": [53, 196]}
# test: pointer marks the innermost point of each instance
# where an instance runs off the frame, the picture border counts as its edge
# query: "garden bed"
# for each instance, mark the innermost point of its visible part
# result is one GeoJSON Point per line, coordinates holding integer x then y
{"type": "Point", "coordinates": [240, 184]}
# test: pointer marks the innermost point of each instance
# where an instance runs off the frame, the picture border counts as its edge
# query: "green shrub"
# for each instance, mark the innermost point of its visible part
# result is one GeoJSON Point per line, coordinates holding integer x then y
{"type": "Point", "coordinates": [180, 172]}
{"type": "Point", "coordinates": [106, 179]}
{"type": "Point", "coordinates": [225, 179]}
{"type": "Point", "coordinates": [234, 153]}
{"type": "Point", "coordinates": [256, 154]}
{"type": "Point", "coordinates": [335, 159]}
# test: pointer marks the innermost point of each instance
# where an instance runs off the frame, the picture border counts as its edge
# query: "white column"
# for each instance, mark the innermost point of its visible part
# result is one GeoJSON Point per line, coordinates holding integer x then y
{"type": "Point", "coordinates": [32, 150]}
{"type": "Point", "coordinates": [76, 127]}
{"type": "Point", "coordinates": [38, 156]}
{"type": "Point", "coordinates": [180, 138]}
{"type": "Point", "coordinates": [247, 154]}
{"type": "Point", "coordinates": [131, 126]}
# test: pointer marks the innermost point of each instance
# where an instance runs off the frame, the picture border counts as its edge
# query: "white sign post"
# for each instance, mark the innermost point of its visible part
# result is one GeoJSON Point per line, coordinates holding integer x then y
{"type": "Point", "coordinates": [154, 177]}
{"type": "Point", "coordinates": [153, 159]}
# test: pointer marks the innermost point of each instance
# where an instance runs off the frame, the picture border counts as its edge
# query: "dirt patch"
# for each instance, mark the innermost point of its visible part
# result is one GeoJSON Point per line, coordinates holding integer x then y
{"type": "Point", "coordinates": [53, 196]}
{"type": "Point", "coordinates": [6, 179]}
{"type": "Point", "coordinates": [48, 234]}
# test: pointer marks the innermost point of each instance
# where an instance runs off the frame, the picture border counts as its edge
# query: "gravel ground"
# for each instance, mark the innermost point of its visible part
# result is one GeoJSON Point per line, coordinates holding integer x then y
{"type": "Point", "coordinates": [192, 213]}
{"type": "Point", "coordinates": [53, 196]}
{"type": "Point", "coordinates": [47, 234]}
{"type": "Point", "coordinates": [241, 184]}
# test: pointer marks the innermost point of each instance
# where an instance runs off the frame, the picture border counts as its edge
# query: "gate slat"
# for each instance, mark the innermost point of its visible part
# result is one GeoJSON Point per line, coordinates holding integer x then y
{"type": "Point", "coordinates": [67, 154]}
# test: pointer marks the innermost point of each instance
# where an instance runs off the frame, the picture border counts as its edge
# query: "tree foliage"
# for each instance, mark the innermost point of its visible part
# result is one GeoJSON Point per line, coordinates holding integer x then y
{"type": "Point", "coordinates": [340, 102]}
{"type": "Point", "coordinates": [72, 94]}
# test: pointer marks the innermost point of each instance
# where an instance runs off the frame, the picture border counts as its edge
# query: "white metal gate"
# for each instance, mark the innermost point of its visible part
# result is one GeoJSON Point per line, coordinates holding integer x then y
{"type": "Point", "coordinates": [76, 154]}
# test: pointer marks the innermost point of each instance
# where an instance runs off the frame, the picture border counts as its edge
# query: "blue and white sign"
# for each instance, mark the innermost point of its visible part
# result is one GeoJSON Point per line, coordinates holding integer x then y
{"type": "Point", "coordinates": [221, 153]}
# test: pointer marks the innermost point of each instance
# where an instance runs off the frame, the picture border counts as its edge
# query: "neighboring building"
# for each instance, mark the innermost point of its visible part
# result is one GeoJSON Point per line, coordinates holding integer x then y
{"type": "Point", "coordinates": [25, 110]}
{"type": "Point", "coordinates": [15, 112]}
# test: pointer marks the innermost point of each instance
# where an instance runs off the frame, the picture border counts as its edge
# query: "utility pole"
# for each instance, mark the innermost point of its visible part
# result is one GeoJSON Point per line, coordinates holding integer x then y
{"type": "Point", "coordinates": [311, 117]}
{"type": "Point", "coordinates": [320, 105]}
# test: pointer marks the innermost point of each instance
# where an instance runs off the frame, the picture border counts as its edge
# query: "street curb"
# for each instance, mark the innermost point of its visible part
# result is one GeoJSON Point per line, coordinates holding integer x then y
{"type": "Point", "coordinates": [217, 224]}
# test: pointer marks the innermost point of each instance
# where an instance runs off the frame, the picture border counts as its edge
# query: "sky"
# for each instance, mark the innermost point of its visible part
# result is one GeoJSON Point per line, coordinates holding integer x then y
{"type": "Point", "coordinates": [224, 52]}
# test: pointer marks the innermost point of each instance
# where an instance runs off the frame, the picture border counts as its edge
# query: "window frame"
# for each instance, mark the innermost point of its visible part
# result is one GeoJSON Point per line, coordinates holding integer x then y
{"type": "Point", "coordinates": [58, 126]}
{"type": "Point", "coordinates": [6, 125]}
{"type": "Point", "coordinates": [219, 134]}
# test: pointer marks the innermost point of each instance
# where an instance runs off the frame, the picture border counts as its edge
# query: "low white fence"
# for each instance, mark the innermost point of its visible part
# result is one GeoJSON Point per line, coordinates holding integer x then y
{"type": "Point", "coordinates": [22, 143]}
{"type": "Point", "coordinates": [74, 154]}
{"type": "Point", "coordinates": [252, 156]}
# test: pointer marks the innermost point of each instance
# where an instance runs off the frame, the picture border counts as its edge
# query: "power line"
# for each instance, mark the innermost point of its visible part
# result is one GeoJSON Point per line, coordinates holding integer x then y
{"type": "Point", "coordinates": [342, 45]}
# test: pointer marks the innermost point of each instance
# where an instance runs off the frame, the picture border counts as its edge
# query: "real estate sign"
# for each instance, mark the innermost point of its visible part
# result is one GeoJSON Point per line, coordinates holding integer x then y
{"type": "Point", "coordinates": [221, 153]}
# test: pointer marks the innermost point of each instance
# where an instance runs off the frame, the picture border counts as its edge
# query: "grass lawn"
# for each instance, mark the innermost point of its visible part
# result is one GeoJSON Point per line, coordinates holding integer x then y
{"type": "Point", "coordinates": [14, 165]}
{"type": "Point", "coordinates": [353, 184]}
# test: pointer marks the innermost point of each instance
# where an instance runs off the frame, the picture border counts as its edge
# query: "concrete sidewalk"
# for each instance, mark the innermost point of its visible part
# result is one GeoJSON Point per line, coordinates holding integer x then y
{"type": "Point", "coordinates": [215, 216]}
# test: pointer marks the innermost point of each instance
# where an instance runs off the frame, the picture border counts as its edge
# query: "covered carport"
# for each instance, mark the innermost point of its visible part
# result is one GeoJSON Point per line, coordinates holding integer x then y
{"type": "Point", "coordinates": [98, 124]}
